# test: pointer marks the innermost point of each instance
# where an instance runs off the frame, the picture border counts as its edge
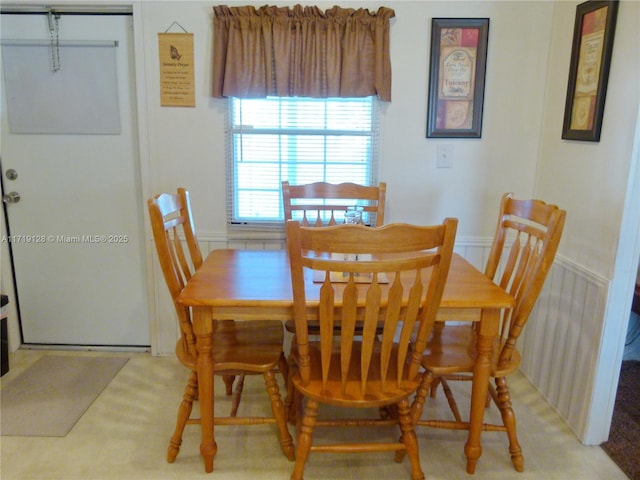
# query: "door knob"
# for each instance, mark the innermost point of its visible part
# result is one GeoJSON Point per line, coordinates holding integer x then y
{"type": "Point", "coordinates": [11, 197]}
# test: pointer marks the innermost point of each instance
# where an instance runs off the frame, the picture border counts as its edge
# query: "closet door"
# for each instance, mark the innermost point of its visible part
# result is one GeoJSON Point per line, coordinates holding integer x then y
{"type": "Point", "coordinates": [71, 181]}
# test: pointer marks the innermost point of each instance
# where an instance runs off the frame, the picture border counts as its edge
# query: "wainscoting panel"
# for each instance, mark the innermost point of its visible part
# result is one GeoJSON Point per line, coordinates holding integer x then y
{"type": "Point", "coordinates": [560, 342]}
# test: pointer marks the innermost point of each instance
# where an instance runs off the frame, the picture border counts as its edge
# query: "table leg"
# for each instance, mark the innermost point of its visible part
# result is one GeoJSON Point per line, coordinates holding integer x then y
{"type": "Point", "coordinates": [203, 329]}
{"type": "Point", "coordinates": [487, 331]}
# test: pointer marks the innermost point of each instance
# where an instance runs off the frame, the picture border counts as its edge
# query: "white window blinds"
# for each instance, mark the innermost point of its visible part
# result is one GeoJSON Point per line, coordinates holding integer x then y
{"type": "Point", "coordinates": [301, 140]}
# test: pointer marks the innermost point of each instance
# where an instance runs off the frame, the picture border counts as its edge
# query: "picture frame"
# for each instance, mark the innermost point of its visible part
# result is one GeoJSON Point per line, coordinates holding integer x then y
{"type": "Point", "coordinates": [593, 34]}
{"type": "Point", "coordinates": [457, 77]}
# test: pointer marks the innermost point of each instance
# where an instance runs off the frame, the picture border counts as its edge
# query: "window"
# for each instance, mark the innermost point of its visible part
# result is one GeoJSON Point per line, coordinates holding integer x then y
{"type": "Point", "coordinates": [301, 140]}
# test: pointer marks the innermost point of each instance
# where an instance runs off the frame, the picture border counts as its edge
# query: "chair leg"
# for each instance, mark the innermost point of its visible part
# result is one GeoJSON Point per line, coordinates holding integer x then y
{"type": "Point", "coordinates": [277, 407]}
{"type": "Point", "coordinates": [434, 387]}
{"type": "Point", "coordinates": [509, 421]}
{"type": "Point", "coordinates": [283, 366]}
{"type": "Point", "coordinates": [289, 400]}
{"type": "Point", "coordinates": [297, 410]}
{"type": "Point", "coordinates": [409, 439]}
{"type": "Point", "coordinates": [421, 396]}
{"type": "Point", "coordinates": [388, 412]}
{"type": "Point", "coordinates": [451, 400]}
{"type": "Point", "coordinates": [237, 396]}
{"type": "Point", "coordinates": [184, 412]}
{"type": "Point", "coordinates": [304, 438]}
{"type": "Point", "coordinates": [228, 383]}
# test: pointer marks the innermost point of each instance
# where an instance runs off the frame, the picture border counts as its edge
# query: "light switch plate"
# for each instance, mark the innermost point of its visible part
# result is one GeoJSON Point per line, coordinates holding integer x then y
{"type": "Point", "coordinates": [444, 155]}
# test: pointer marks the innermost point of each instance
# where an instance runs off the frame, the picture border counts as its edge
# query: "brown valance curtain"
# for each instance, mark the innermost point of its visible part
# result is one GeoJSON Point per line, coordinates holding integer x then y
{"type": "Point", "coordinates": [301, 52]}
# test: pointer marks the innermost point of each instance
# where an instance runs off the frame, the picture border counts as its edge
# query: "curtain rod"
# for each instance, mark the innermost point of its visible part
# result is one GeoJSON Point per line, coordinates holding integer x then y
{"type": "Point", "coordinates": [64, 10]}
{"type": "Point", "coordinates": [62, 43]}
{"type": "Point", "coordinates": [56, 12]}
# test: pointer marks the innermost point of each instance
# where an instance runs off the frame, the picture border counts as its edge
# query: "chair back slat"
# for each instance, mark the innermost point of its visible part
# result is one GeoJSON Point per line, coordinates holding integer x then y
{"type": "Point", "coordinates": [392, 318]}
{"type": "Point", "coordinates": [180, 257]}
{"type": "Point", "coordinates": [517, 273]}
{"type": "Point", "coordinates": [326, 316]}
{"type": "Point", "coordinates": [348, 326]}
{"type": "Point", "coordinates": [536, 228]}
{"type": "Point", "coordinates": [373, 308]}
{"type": "Point", "coordinates": [324, 204]}
{"type": "Point", "coordinates": [368, 276]}
{"type": "Point", "coordinates": [412, 315]}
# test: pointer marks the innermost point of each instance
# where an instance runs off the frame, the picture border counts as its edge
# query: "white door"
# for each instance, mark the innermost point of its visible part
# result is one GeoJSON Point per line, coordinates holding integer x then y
{"type": "Point", "coordinates": [77, 231]}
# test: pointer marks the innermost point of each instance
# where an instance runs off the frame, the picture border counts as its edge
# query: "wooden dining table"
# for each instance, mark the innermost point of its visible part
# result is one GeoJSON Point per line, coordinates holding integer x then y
{"type": "Point", "coordinates": [256, 285]}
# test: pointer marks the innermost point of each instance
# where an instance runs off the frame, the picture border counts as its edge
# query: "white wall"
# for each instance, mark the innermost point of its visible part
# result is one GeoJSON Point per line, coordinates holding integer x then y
{"type": "Point", "coordinates": [187, 144]}
{"type": "Point", "coordinates": [589, 179]}
{"type": "Point", "coordinates": [504, 159]}
{"type": "Point", "coordinates": [597, 183]}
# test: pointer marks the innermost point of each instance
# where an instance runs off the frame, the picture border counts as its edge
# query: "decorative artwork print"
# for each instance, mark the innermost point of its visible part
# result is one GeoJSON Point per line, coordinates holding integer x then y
{"type": "Point", "coordinates": [456, 77]}
{"type": "Point", "coordinates": [589, 70]}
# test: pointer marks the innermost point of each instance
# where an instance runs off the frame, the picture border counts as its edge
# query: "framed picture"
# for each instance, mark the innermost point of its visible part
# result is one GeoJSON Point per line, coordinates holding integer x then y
{"type": "Point", "coordinates": [589, 70]}
{"type": "Point", "coordinates": [456, 77]}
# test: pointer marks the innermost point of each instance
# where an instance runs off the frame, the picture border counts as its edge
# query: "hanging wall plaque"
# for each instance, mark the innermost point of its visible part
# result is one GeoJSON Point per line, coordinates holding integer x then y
{"type": "Point", "coordinates": [177, 85]}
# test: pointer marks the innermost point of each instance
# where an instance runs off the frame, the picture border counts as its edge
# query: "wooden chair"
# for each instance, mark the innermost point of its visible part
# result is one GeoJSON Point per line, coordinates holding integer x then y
{"type": "Point", "coordinates": [396, 286]}
{"type": "Point", "coordinates": [524, 246]}
{"type": "Point", "coordinates": [324, 204]}
{"type": "Point", "coordinates": [239, 348]}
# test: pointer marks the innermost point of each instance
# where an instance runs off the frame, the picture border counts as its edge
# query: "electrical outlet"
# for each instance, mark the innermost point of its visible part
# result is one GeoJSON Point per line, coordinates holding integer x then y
{"type": "Point", "coordinates": [444, 155]}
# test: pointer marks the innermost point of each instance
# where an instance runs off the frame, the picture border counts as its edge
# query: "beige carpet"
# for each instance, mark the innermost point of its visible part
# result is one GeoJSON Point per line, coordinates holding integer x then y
{"type": "Point", "coordinates": [48, 398]}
